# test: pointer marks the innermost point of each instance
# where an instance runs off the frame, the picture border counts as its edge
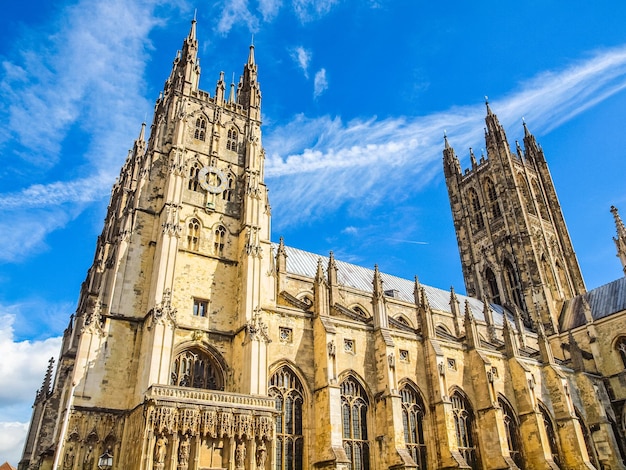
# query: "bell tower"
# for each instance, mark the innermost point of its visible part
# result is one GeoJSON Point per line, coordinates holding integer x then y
{"type": "Point", "coordinates": [514, 245]}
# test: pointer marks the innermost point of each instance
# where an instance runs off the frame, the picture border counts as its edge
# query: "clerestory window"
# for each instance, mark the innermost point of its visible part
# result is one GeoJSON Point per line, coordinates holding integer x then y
{"type": "Point", "coordinates": [354, 407]}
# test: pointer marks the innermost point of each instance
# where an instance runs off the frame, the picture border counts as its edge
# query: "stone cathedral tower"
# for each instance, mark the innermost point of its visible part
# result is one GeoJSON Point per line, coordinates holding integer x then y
{"type": "Point", "coordinates": [184, 251]}
{"type": "Point", "coordinates": [515, 248]}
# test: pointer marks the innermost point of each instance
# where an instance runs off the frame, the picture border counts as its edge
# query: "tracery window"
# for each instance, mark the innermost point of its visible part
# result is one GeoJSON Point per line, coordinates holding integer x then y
{"type": "Point", "coordinates": [354, 406]}
{"type": "Point", "coordinates": [413, 422]}
{"type": "Point", "coordinates": [196, 368]}
{"type": "Point", "coordinates": [218, 242]}
{"type": "Point", "coordinates": [464, 426]}
{"type": "Point", "coordinates": [514, 286]}
{"type": "Point", "coordinates": [552, 442]}
{"type": "Point", "coordinates": [591, 450]}
{"type": "Point", "coordinates": [193, 235]}
{"type": "Point", "coordinates": [200, 132]}
{"type": "Point", "coordinates": [194, 183]}
{"type": "Point", "coordinates": [493, 286]}
{"type": "Point", "coordinates": [231, 141]}
{"type": "Point", "coordinates": [492, 195]}
{"type": "Point", "coordinates": [511, 427]}
{"type": "Point", "coordinates": [288, 395]}
{"type": "Point", "coordinates": [477, 216]}
{"type": "Point", "coordinates": [621, 349]}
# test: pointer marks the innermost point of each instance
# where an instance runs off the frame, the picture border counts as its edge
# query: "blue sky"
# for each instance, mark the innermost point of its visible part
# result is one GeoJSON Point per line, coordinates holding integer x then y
{"type": "Point", "coordinates": [356, 97]}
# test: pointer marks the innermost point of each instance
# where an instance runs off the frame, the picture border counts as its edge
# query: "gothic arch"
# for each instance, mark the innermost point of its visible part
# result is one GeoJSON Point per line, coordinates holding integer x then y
{"type": "Point", "coordinates": [413, 419]}
{"type": "Point", "coordinates": [589, 444]}
{"type": "Point", "coordinates": [511, 427]}
{"type": "Point", "coordinates": [550, 427]}
{"type": "Point", "coordinates": [492, 284]}
{"type": "Point", "coordinates": [619, 346]}
{"type": "Point", "coordinates": [355, 413]}
{"type": "Point", "coordinates": [198, 365]}
{"type": "Point", "coordinates": [360, 310]}
{"type": "Point", "coordinates": [475, 208]}
{"type": "Point", "coordinates": [199, 123]}
{"type": "Point", "coordinates": [404, 320]}
{"type": "Point", "coordinates": [465, 426]}
{"type": "Point", "coordinates": [193, 229]}
{"type": "Point", "coordinates": [284, 362]}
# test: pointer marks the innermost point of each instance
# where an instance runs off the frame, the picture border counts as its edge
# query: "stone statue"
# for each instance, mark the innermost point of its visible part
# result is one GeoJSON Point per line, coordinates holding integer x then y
{"type": "Point", "coordinates": [240, 455]}
{"type": "Point", "coordinates": [183, 452]}
{"type": "Point", "coordinates": [261, 455]}
{"type": "Point", "coordinates": [160, 449]}
{"type": "Point", "coordinates": [88, 460]}
{"type": "Point", "coordinates": [68, 460]}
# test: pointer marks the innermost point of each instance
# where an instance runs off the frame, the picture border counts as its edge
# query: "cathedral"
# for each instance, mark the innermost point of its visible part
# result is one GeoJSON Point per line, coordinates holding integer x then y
{"type": "Point", "coordinates": [198, 343]}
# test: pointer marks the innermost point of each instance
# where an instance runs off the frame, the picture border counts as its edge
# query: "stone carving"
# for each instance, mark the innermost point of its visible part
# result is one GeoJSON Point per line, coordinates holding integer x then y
{"type": "Point", "coordinates": [257, 329]}
{"type": "Point", "coordinates": [171, 226]}
{"type": "Point", "coordinates": [93, 320]}
{"type": "Point", "coordinates": [68, 460]}
{"type": "Point", "coordinates": [88, 460]}
{"type": "Point", "coordinates": [391, 359]}
{"type": "Point", "coordinates": [261, 456]}
{"type": "Point", "coordinates": [332, 348]}
{"type": "Point", "coordinates": [160, 451]}
{"type": "Point", "coordinates": [240, 455]}
{"type": "Point", "coordinates": [183, 452]}
{"type": "Point", "coordinates": [163, 311]}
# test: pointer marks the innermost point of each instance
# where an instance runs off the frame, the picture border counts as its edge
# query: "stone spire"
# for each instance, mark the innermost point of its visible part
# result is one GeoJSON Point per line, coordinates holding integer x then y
{"type": "Point", "coordinates": [620, 241]}
{"type": "Point", "coordinates": [248, 91]}
{"type": "Point", "coordinates": [471, 331]}
{"type": "Point", "coordinates": [451, 164]}
{"type": "Point", "coordinates": [378, 301]}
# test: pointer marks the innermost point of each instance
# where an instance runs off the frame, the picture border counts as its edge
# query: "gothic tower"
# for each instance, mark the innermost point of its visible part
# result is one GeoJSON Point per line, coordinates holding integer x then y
{"type": "Point", "coordinates": [514, 245]}
{"type": "Point", "coordinates": [176, 288]}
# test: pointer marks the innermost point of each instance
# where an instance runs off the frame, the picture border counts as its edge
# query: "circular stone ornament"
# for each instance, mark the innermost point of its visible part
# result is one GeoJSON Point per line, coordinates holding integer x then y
{"type": "Point", "coordinates": [204, 182]}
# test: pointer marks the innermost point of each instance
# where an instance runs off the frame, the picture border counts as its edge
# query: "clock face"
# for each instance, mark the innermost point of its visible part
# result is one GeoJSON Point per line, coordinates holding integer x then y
{"type": "Point", "coordinates": [212, 179]}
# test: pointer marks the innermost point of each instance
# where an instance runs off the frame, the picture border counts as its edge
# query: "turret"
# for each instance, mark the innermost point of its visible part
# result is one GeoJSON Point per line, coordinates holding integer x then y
{"type": "Point", "coordinates": [620, 241]}
{"type": "Point", "coordinates": [249, 92]}
{"type": "Point", "coordinates": [451, 165]}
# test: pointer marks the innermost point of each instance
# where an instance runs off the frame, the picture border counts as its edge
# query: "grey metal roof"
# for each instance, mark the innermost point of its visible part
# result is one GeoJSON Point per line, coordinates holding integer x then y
{"type": "Point", "coordinates": [603, 301]}
{"type": "Point", "coordinates": [304, 263]}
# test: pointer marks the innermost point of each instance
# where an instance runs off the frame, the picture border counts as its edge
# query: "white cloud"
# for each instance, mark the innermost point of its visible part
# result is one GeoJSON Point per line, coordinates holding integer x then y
{"type": "Point", "coordinates": [372, 159]}
{"type": "Point", "coordinates": [302, 57]}
{"type": "Point", "coordinates": [237, 11]}
{"type": "Point", "coordinates": [269, 9]}
{"type": "Point", "coordinates": [320, 83]}
{"type": "Point", "coordinates": [23, 366]}
{"type": "Point", "coordinates": [309, 10]}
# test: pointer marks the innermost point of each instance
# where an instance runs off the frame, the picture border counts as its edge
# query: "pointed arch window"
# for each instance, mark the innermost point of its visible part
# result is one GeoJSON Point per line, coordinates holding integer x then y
{"type": "Point", "coordinates": [288, 394]}
{"type": "Point", "coordinates": [194, 184]}
{"type": "Point", "coordinates": [200, 131]}
{"type": "Point", "coordinates": [193, 235]}
{"type": "Point", "coordinates": [464, 426]}
{"type": "Point", "coordinates": [591, 449]}
{"type": "Point", "coordinates": [511, 428]}
{"type": "Point", "coordinates": [620, 346]}
{"type": "Point", "coordinates": [231, 141]}
{"type": "Point", "coordinates": [550, 432]}
{"type": "Point", "coordinates": [413, 422]}
{"type": "Point", "coordinates": [218, 242]}
{"type": "Point", "coordinates": [477, 216]}
{"type": "Point", "coordinates": [198, 369]}
{"type": "Point", "coordinates": [493, 286]}
{"type": "Point", "coordinates": [514, 285]}
{"type": "Point", "coordinates": [354, 407]}
{"type": "Point", "coordinates": [492, 196]}
{"type": "Point", "coordinates": [227, 195]}
{"type": "Point", "coordinates": [525, 190]}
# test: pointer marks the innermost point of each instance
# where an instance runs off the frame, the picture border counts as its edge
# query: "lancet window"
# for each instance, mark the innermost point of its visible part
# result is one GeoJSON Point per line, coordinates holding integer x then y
{"type": "Point", "coordinates": [541, 202]}
{"type": "Point", "coordinates": [514, 286]}
{"type": "Point", "coordinates": [288, 394]}
{"type": "Point", "coordinates": [552, 440]}
{"type": "Point", "coordinates": [464, 426]}
{"type": "Point", "coordinates": [413, 422]}
{"type": "Point", "coordinates": [354, 407]}
{"type": "Point", "coordinates": [231, 141]}
{"type": "Point", "coordinates": [523, 186]}
{"type": "Point", "coordinates": [227, 195]}
{"type": "Point", "coordinates": [194, 183]}
{"type": "Point", "coordinates": [591, 450]}
{"type": "Point", "coordinates": [492, 195]}
{"type": "Point", "coordinates": [193, 234]}
{"type": "Point", "coordinates": [477, 216]}
{"type": "Point", "coordinates": [511, 428]}
{"type": "Point", "coordinates": [493, 286]}
{"type": "Point", "coordinates": [196, 368]}
{"type": "Point", "coordinates": [200, 131]}
{"type": "Point", "coordinates": [218, 242]}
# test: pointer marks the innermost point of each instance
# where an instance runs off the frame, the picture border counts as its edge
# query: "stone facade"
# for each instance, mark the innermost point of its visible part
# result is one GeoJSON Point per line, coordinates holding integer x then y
{"type": "Point", "coordinates": [199, 344]}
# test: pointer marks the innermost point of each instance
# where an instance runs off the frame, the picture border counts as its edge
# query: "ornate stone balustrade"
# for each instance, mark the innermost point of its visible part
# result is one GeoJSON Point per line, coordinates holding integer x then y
{"type": "Point", "coordinates": [181, 395]}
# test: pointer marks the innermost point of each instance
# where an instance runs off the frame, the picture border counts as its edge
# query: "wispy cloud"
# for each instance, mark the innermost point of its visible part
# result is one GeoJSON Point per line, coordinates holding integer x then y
{"type": "Point", "coordinates": [23, 366]}
{"type": "Point", "coordinates": [320, 83]}
{"type": "Point", "coordinates": [302, 57]}
{"type": "Point", "coordinates": [371, 159]}
{"type": "Point", "coordinates": [269, 9]}
{"type": "Point", "coordinates": [83, 71]}
{"type": "Point", "coordinates": [237, 11]}
{"type": "Point", "coordinates": [309, 10]}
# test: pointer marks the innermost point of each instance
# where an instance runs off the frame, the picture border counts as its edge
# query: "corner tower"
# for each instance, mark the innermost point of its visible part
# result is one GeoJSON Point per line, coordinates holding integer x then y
{"type": "Point", "coordinates": [514, 245]}
{"type": "Point", "coordinates": [175, 296]}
